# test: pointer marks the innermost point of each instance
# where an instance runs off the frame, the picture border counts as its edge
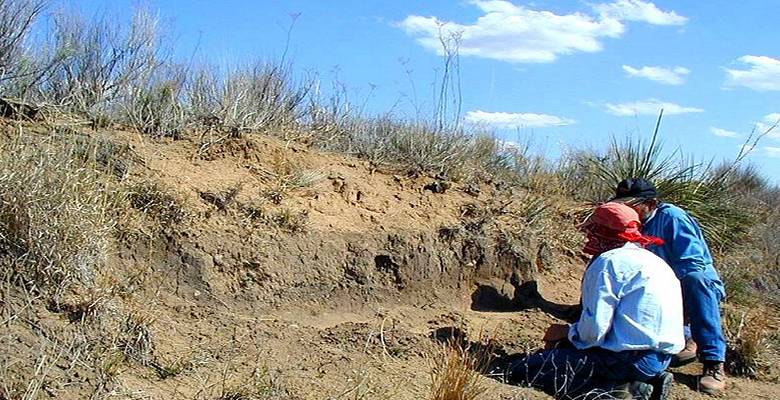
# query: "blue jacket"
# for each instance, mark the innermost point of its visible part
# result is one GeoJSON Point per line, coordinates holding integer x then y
{"type": "Point", "coordinates": [685, 249]}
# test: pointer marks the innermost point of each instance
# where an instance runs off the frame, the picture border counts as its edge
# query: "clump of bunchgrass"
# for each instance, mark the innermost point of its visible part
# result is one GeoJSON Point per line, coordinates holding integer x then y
{"type": "Point", "coordinates": [285, 177]}
{"type": "Point", "coordinates": [748, 343]}
{"type": "Point", "coordinates": [97, 62]}
{"type": "Point", "coordinates": [420, 147]}
{"type": "Point", "coordinates": [290, 221]}
{"type": "Point", "coordinates": [457, 371]}
{"type": "Point", "coordinates": [157, 202]}
{"type": "Point", "coordinates": [57, 214]}
{"type": "Point", "coordinates": [136, 340]}
{"type": "Point", "coordinates": [248, 99]}
{"type": "Point", "coordinates": [157, 108]}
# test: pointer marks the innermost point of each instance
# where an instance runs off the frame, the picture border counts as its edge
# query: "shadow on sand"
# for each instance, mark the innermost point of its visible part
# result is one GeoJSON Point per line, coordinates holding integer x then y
{"type": "Point", "coordinates": [692, 381]}
{"type": "Point", "coordinates": [526, 296]}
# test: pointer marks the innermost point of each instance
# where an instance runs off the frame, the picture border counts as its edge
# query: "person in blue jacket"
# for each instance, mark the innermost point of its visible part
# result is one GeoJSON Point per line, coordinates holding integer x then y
{"type": "Point", "coordinates": [686, 251]}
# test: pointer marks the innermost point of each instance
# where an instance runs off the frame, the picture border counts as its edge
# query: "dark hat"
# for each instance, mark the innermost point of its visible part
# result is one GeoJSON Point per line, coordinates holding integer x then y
{"type": "Point", "coordinates": [634, 188]}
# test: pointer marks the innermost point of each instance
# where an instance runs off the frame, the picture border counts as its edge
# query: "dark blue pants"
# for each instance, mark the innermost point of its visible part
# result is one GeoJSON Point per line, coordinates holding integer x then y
{"type": "Point", "coordinates": [701, 302]}
{"type": "Point", "coordinates": [570, 372]}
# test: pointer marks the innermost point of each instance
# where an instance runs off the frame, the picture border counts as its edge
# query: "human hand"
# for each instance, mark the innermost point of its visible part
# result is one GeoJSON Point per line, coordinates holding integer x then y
{"type": "Point", "coordinates": [556, 332]}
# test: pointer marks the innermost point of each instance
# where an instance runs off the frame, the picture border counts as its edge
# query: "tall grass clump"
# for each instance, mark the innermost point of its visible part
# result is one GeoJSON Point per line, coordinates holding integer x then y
{"type": "Point", "coordinates": [156, 106]}
{"type": "Point", "coordinates": [713, 198]}
{"type": "Point", "coordinates": [259, 97]}
{"type": "Point", "coordinates": [418, 146]}
{"type": "Point", "coordinates": [748, 342]}
{"type": "Point", "coordinates": [56, 216]}
{"type": "Point", "coordinates": [98, 62]}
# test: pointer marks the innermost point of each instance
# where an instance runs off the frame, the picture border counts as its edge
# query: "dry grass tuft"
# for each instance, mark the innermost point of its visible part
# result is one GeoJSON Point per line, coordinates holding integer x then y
{"type": "Point", "coordinates": [291, 221]}
{"type": "Point", "coordinates": [136, 340]}
{"type": "Point", "coordinates": [457, 372]}
{"type": "Point", "coordinates": [57, 215]}
{"type": "Point", "coordinates": [748, 342]}
{"type": "Point", "coordinates": [158, 202]}
{"type": "Point", "coordinates": [260, 385]}
{"type": "Point", "coordinates": [285, 177]}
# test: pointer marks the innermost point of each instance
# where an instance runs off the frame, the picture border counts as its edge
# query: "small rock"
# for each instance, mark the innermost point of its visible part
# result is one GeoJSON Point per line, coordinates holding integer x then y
{"type": "Point", "coordinates": [437, 186]}
{"type": "Point", "coordinates": [219, 260]}
{"type": "Point", "coordinates": [472, 189]}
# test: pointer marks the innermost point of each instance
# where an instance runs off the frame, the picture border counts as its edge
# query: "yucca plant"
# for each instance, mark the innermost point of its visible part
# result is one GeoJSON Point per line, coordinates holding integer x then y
{"type": "Point", "coordinates": [712, 198]}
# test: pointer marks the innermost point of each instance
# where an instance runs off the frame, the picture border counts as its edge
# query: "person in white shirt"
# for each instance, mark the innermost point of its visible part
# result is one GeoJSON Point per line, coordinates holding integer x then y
{"type": "Point", "coordinates": [631, 323]}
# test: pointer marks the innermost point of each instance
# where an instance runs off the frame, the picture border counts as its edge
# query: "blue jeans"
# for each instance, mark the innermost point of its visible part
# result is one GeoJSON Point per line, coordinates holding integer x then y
{"type": "Point", "coordinates": [570, 372]}
{"type": "Point", "coordinates": [701, 304]}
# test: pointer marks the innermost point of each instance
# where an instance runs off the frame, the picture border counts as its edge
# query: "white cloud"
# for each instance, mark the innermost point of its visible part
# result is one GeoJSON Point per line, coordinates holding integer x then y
{"type": "Point", "coordinates": [773, 152]}
{"type": "Point", "coordinates": [637, 10]}
{"type": "Point", "coordinates": [515, 120]}
{"type": "Point", "coordinates": [514, 33]}
{"type": "Point", "coordinates": [669, 76]}
{"type": "Point", "coordinates": [762, 74]}
{"type": "Point", "coordinates": [649, 107]}
{"type": "Point", "coordinates": [723, 133]}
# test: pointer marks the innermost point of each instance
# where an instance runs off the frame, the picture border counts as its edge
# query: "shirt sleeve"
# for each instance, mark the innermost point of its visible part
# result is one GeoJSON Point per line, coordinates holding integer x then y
{"type": "Point", "coordinates": [687, 246]}
{"type": "Point", "coordinates": [599, 302]}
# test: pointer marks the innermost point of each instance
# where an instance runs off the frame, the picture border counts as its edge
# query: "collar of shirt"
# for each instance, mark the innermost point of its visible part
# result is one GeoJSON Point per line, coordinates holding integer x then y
{"type": "Point", "coordinates": [649, 217]}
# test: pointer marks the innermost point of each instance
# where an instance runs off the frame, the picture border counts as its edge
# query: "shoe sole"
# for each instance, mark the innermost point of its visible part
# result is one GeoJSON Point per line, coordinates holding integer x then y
{"type": "Point", "coordinates": [711, 392]}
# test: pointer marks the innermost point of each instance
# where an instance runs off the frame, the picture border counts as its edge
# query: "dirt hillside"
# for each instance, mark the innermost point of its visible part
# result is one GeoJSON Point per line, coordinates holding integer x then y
{"type": "Point", "coordinates": [263, 269]}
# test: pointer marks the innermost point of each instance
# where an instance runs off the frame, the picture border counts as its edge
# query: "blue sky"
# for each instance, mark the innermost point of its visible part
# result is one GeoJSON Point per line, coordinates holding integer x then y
{"type": "Point", "coordinates": [560, 73]}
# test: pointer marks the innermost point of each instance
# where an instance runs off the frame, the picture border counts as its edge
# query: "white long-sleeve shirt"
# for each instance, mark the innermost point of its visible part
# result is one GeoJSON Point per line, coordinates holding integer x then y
{"type": "Point", "coordinates": [631, 300]}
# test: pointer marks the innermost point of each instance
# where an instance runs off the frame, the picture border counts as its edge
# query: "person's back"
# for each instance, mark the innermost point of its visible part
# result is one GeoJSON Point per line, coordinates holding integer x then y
{"type": "Point", "coordinates": [647, 315]}
{"type": "Point", "coordinates": [685, 248]}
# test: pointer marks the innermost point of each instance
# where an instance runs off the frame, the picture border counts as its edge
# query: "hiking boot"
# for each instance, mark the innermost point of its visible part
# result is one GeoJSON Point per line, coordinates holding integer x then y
{"type": "Point", "coordinates": [633, 391]}
{"type": "Point", "coordinates": [686, 356]}
{"type": "Point", "coordinates": [662, 386]}
{"type": "Point", "coordinates": [713, 379]}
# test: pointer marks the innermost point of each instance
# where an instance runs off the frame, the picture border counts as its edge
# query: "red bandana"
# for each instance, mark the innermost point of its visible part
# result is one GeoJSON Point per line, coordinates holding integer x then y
{"type": "Point", "coordinates": [611, 226]}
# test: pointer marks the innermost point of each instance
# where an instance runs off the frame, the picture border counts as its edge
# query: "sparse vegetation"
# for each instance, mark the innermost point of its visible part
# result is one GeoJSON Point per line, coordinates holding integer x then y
{"type": "Point", "coordinates": [136, 340]}
{"type": "Point", "coordinates": [286, 176]}
{"type": "Point", "coordinates": [64, 188]}
{"type": "Point", "coordinates": [157, 202]}
{"type": "Point", "coordinates": [290, 220]}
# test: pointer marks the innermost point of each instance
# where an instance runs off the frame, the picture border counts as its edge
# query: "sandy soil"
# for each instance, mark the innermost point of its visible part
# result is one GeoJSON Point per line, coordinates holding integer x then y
{"type": "Point", "coordinates": [234, 306]}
